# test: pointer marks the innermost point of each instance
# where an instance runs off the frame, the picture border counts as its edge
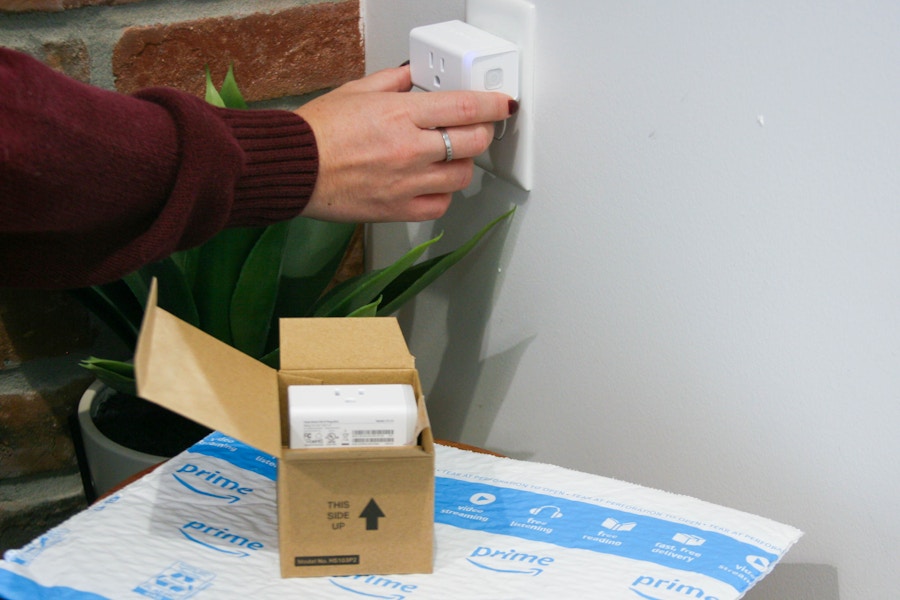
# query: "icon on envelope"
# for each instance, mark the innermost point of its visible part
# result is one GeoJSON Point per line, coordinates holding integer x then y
{"type": "Point", "coordinates": [688, 539]}
{"type": "Point", "coordinates": [614, 525]}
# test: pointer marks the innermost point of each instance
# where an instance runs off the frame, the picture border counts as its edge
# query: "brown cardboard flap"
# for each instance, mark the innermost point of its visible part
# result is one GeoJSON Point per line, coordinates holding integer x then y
{"type": "Point", "coordinates": [357, 343]}
{"type": "Point", "coordinates": [192, 373]}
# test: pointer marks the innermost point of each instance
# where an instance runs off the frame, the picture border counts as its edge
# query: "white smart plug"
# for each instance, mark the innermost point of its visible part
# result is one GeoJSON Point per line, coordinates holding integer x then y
{"type": "Point", "coordinates": [454, 55]}
{"type": "Point", "coordinates": [340, 416]}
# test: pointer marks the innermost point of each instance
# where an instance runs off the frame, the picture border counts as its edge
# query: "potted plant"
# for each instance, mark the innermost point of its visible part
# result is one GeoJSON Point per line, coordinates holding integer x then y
{"type": "Point", "coordinates": [236, 287]}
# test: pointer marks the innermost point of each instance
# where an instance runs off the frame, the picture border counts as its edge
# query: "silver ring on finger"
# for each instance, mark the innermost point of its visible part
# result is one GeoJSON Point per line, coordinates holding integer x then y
{"type": "Point", "coordinates": [448, 147]}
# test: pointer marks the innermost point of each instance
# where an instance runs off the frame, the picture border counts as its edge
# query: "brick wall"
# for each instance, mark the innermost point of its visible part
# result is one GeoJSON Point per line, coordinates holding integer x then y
{"type": "Point", "coordinates": [281, 51]}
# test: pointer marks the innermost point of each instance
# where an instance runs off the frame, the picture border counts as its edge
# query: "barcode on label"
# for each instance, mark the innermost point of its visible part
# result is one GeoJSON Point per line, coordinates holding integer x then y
{"type": "Point", "coordinates": [372, 436]}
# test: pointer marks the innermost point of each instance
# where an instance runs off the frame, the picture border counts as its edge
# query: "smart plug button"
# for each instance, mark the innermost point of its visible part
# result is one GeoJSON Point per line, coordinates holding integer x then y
{"type": "Point", "coordinates": [493, 79]}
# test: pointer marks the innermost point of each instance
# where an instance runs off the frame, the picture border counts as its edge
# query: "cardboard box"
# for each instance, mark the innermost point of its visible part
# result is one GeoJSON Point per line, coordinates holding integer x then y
{"type": "Point", "coordinates": [343, 511]}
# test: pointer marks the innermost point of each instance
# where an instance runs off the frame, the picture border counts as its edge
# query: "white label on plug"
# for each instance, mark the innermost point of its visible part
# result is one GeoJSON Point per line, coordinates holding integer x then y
{"type": "Point", "coordinates": [345, 416]}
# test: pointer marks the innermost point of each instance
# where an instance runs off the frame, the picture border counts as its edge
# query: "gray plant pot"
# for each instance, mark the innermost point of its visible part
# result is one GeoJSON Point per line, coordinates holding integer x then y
{"type": "Point", "coordinates": [108, 462]}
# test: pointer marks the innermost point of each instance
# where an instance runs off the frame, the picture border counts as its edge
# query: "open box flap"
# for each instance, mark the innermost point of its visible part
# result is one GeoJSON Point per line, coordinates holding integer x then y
{"type": "Point", "coordinates": [192, 373]}
{"type": "Point", "coordinates": [347, 343]}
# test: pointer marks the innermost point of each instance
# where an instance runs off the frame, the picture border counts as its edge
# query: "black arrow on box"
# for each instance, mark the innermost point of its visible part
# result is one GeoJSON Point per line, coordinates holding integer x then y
{"type": "Point", "coordinates": [371, 513]}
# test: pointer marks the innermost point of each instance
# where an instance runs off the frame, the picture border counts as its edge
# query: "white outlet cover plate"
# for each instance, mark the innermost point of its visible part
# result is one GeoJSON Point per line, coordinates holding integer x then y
{"type": "Point", "coordinates": [511, 157]}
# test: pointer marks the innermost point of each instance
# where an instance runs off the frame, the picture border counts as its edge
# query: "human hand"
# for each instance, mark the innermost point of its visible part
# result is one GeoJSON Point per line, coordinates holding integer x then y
{"type": "Point", "coordinates": [381, 157]}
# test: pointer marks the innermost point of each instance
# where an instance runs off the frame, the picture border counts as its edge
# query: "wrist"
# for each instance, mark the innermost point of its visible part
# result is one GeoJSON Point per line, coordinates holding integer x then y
{"type": "Point", "coordinates": [280, 169]}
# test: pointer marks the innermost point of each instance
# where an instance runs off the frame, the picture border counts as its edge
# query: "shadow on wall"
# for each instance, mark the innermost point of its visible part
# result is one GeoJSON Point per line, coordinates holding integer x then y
{"type": "Point", "coordinates": [797, 582]}
{"type": "Point", "coordinates": [465, 398]}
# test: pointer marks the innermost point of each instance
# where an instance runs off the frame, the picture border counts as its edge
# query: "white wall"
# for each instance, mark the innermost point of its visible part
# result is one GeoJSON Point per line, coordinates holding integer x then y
{"type": "Point", "coordinates": [702, 292]}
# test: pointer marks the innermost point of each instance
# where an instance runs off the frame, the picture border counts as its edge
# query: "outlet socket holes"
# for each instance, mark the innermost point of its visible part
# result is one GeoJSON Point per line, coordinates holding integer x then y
{"type": "Point", "coordinates": [442, 62]}
{"type": "Point", "coordinates": [441, 65]}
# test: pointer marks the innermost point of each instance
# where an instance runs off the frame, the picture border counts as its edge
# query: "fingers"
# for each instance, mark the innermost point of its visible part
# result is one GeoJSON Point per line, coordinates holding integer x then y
{"type": "Point", "coordinates": [437, 179]}
{"type": "Point", "coordinates": [466, 141]}
{"type": "Point", "coordinates": [445, 178]}
{"type": "Point", "coordinates": [429, 207]}
{"type": "Point", "coordinates": [451, 109]}
{"type": "Point", "coordinates": [381, 156]}
{"type": "Point", "coordinates": [444, 109]}
{"type": "Point", "coordinates": [386, 80]}
{"type": "Point", "coordinates": [468, 116]}
{"type": "Point", "coordinates": [436, 191]}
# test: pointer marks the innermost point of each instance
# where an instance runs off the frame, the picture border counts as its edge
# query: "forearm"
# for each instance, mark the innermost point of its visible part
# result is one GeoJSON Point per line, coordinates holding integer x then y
{"type": "Point", "coordinates": [95, 184]}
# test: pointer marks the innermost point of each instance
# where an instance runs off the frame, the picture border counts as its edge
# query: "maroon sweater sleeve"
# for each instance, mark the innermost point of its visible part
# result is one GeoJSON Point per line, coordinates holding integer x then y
{"type": "Point", "coordinates": [95, 184]}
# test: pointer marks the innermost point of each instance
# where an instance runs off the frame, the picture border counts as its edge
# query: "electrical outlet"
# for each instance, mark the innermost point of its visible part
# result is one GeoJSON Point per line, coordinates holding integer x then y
{"type": "Point", "coordinates": [512, 156]}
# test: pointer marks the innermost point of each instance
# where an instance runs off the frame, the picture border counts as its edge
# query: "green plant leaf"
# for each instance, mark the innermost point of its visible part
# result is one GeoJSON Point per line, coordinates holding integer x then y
{"type": "Point", "coordinates": [174, 293]}
{"type": "Point", "coordinates": [118, 367]}
{"type": "Point", "coordinates": [341, 290]}
{"type": "Point", "coordinates": [313, 245]}
{"type": "Point", "coordinates": [229, 92]}
{"type": "Point", "coordinates": [272, 359]}
{"type": "Point", "coordinates": [417, 278]}
{"type": "Point", "coordinates": [139, 284]}
{"type": "Point", "coordinates": [359, 291]}
{"type": "Point", "coordinates": [312, 255]}
{"type": "Point", "coordinates": [187, 261]}
{"type": "Point", "coordinates": [116, 374]}
{"type": "Point", "coordinates": [256, 291]}
{"type": "Point", "coordinates": [212, 96]}
{"type": "Point", "coordinates": [369, 310]}
{"type": "Point", "coordinates": [219, 266]}
{"type": "Point", "coordinates": [114, 304]}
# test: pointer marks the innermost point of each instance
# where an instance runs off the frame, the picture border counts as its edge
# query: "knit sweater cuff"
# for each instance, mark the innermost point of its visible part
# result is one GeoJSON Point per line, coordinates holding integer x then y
{"type": "Point", "coordinates": [280, 166]}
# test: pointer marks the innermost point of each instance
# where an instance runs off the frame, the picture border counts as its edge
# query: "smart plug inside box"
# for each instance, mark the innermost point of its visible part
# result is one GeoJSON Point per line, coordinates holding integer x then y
{"type": "Point", "coordinates": [351, 416]}
{"type": "Point", "coordinates": [341, 511]}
